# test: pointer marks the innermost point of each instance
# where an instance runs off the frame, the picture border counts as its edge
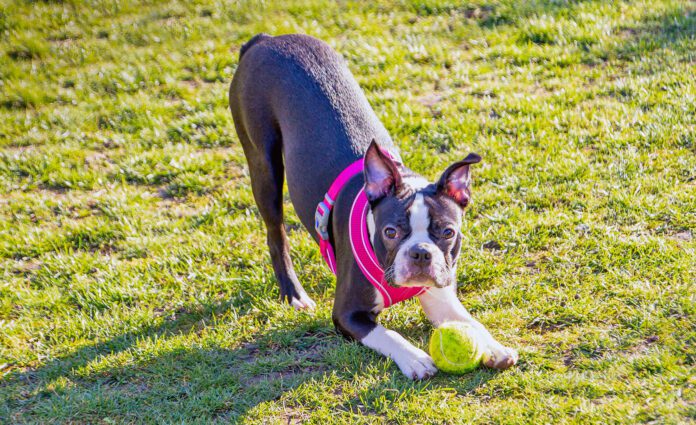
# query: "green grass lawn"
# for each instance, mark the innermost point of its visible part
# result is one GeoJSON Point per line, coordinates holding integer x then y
{"type": "Point", "coordinates": [136, 285]}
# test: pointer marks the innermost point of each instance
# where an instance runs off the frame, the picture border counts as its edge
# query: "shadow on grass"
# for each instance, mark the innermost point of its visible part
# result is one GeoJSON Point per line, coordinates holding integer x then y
{"type": "Point", "coordinates": [115, 380]}
{"type": "Point", "coordinates": [674, 30]}
{"type": "Point", "coordinates": [25, 391]}
{"type": "Point", "coordinates": [490, 14]}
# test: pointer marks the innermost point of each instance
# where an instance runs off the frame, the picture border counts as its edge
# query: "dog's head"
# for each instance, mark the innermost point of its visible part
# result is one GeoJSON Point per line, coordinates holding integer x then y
{"type": "Point", "coordinates": [414, 224]}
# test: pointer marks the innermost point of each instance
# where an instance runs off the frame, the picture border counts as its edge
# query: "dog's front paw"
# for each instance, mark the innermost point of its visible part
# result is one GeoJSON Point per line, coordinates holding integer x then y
{"type": "Point", "coordinates": [500, 357]}
{"type": "Point", "coordinates": [303, 302]}
{"type": "Point", "coordinates": [416, 364]}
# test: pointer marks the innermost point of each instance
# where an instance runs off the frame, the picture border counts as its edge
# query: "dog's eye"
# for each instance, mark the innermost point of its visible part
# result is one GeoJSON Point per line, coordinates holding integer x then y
{"type": "Point", "coordinates": [448, 233]}
{"type": "Point", "coordinates": [390, 232]}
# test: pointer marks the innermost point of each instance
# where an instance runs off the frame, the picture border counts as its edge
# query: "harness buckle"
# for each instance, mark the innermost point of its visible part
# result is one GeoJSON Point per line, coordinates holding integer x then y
{"type": "Point", "coordinates": [321, 220]}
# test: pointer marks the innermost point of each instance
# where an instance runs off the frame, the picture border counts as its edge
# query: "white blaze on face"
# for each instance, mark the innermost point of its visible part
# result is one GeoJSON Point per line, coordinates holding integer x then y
{"type": "Point", "coordinates": [419, 220]}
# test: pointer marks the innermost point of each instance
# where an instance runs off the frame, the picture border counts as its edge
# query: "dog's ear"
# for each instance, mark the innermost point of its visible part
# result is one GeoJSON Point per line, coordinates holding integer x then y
{"type": "Point", "coordinates": [455, 181]}
{"type": "Point", "coordinates": [382, 175]}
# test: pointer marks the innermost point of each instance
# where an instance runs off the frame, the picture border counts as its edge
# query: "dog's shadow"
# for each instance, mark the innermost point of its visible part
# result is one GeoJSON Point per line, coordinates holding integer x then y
{"type": "Point", "coordinates": [205, 383]}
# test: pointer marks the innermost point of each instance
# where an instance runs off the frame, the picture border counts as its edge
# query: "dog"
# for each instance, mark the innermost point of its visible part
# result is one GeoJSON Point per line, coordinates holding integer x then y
{"type": "Point", "coordinates": [387, 232]}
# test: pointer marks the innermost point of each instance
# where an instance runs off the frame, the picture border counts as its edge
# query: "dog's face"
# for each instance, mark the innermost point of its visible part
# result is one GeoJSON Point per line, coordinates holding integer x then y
{"type": "Point", "coordinates": [415, 225]}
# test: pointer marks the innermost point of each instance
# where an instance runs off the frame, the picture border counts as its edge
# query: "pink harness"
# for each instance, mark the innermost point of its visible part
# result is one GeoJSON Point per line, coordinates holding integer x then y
{"type": "Point", "coordinates": [359, 239]}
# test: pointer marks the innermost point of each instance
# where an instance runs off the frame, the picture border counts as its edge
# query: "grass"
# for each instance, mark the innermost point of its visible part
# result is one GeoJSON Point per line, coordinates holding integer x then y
{"type": "Point", "coordinates": [136, 286]}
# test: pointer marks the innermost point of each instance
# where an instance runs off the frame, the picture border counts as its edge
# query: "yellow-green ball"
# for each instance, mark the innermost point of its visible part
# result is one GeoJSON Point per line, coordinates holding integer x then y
{"type": "Point", "coordinates": [454, 348]}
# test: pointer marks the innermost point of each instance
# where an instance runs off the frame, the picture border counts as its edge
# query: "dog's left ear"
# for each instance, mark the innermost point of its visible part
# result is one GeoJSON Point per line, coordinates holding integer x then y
{"type": "Point", "coordinates": [455, 181]}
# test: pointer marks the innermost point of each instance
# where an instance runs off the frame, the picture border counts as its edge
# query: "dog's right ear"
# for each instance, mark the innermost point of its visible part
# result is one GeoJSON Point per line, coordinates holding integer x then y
{"type": "Point", "coordinates": [382, 175]}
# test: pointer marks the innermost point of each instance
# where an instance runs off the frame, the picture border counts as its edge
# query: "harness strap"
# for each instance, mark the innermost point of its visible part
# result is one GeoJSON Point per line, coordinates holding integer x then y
{"type": "Point", "coordinates": [321, 216]}
{"type": "Point", "coordinates": [359, 238]}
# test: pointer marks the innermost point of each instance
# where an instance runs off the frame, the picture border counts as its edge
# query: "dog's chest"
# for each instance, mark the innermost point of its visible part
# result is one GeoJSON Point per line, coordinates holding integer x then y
{"type": "Point", "coordinates": [379, 301]}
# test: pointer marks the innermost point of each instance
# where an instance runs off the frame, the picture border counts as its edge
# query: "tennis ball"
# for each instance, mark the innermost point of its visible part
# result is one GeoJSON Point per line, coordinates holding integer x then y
{"type": "Point", "coordinates": [454, 348]}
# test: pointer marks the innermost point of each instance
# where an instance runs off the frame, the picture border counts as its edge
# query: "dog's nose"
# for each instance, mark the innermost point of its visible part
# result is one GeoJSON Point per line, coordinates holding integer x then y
{"type": "Point", "coordinates": [420, 254]}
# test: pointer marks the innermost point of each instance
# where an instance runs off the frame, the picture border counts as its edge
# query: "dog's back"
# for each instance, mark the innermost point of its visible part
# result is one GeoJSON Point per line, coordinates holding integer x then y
{"type": "Point", "coordinates": [299, 115]}
{"type": "Point", "coordinates": [293, 96]}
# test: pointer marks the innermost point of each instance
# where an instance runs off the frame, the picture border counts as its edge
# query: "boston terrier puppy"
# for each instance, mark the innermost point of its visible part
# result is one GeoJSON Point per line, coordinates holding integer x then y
{"type": "Point", "coordinates": [386, 232]}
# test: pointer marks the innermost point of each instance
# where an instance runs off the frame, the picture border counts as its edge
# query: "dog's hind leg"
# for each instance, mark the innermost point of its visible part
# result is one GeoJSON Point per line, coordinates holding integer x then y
{"type": "Point", "coordinates": [265, 158]}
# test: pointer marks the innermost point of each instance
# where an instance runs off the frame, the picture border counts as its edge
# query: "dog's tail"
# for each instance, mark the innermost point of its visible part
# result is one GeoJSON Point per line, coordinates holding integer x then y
{"type": "Point", "coordinates": [255, 39]}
